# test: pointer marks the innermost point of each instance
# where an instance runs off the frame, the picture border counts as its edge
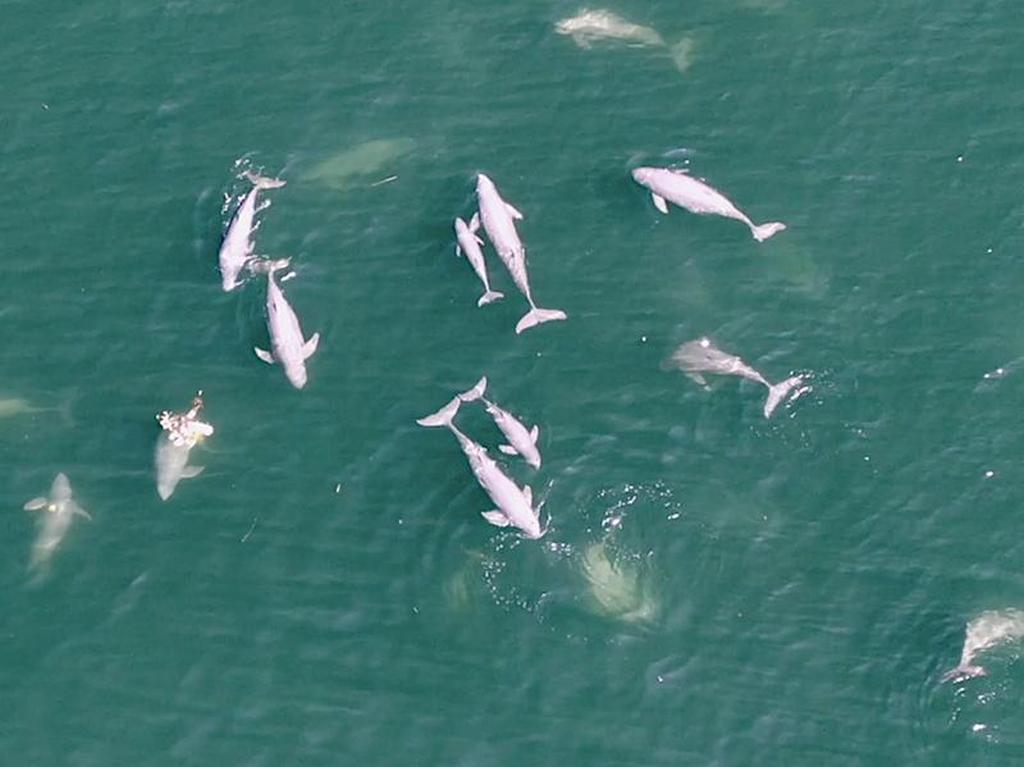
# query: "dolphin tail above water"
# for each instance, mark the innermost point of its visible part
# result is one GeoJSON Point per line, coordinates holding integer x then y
{"type": "Point", "coordinates": [442, 417]}
{"type": "Point", "coordinates": [266, 265]}
{"type": "Point", "coordinates": [779, 392]}
{"type": "Point", "coordinates": [476, 392]}
{"type": "Point", "coordinates": [961, 673]}
{"type": "Point", "coordinates": [536, 316]}
{"type": "Point", "coordinates": [264, 182]}
{"type": "Point", "coordinates": [764, 231]}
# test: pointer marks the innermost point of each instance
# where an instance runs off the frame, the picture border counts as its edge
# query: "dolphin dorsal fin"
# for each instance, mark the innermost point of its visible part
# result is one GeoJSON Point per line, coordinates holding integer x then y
{"type": "Point", "coordinates": [512, 211]}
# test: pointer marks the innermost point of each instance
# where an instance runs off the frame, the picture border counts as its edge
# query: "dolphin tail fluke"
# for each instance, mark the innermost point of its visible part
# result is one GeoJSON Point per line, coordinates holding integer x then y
{"type": "Point", "coordinates": [537, 316]}
{"type": "Point", "coordinates": [264, 265]}
{"type": "Point", "coordinates": [489, 296]}
{"type": "Point", "coordinates": [960, 673]}
{"type": "Point", "coordinates": [764, 231]}
{"type": "Point", "coordinates": [778, 393]}
{"type": "Point", "coordinates": [476, 392]}
{"type": "Point", "coordinates": [682, 54]}
{"type": "Point", "coordinates": [264, 182]}
{"type": "Point", "coordinates": [442, 417]}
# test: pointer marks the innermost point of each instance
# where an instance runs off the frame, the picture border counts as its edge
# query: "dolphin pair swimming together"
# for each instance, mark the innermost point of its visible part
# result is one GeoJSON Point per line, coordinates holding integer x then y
{"type": "Point", "coordinates": [498, 218]}
{"type": "Point", "coordinates": [514, 505]}
{"type": "Point", "coordinates": [521, 441]}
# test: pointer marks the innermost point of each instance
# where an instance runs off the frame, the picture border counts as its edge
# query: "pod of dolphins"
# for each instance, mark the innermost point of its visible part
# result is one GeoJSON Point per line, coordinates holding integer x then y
{"type": "Point", "coordinates": [514, 505]}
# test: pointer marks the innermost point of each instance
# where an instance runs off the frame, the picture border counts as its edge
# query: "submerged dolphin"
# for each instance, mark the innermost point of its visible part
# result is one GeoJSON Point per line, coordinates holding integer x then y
{"type": "Point", "coordinates": [515, 506]}
{"type": "Point", "coordinates": [182, 432]}
{"type": "Point", "coordinates": [469, 243]}
{"type": "Point", "coordinates": [237, 247]}
{"type": "Point", "coordinates": [589, 26]}
{"type": "Point", "coordinates": [987, 630]}
{"type": "Point", "coordinates": [521, 441]}
{"type": "Point", "coordinates": [695, 358]}
{"type": "Point", "coordinates": [498, 220]}
{"type": "Point", "coordinates": [675, 186]}
{"type": "Point", "coordinates": [286, 340]}
{"type": "Point", "coordinates": [59, 509]}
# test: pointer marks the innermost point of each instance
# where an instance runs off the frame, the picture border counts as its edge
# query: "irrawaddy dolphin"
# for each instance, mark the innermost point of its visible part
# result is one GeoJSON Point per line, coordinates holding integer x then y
{"type": "Point", "coordinates": [700, 357]}
{"type": "Point", "coordinates": [987, 630]}
{"type": "Point", "coordinates": [498, 219]}
{"type": "Point", "coordinates": [237, 247]}
{"type": "Point", "coordinates": [469, 243]}
{"type": "Point", "coordinates": [588, 26]}
{"type": "Point", "coordinates": [521, 441]}
{"type": "Point", "coordinates": [286, 341]}
{"type": "Point", "coordinates": [675, 186]}
{"type": "Point", "coordinates": [514, 506]}
{"type": "Point", "coordinates": [58, 511]}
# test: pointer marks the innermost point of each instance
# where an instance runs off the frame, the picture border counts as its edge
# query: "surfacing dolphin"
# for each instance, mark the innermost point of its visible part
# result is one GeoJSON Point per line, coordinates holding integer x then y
{"type": "Point", "coordinates": [286, 341]}
{"type": "Point", "coordinates": [181, 432]}
{"type": "Point", "coordinates": [989, 629]}
{"type": "Point", "coordinates": [498, 220]}
{"type": "Point", "coordinates": [675, 186]}
{"type": "Point", "coordinates": [514, 506]}
{"type": "Point", "coordinates": [699, 357]}
{"type": "Point", "coordinates": [237, 247]}
{"type": "Point", "coordinates": [521, 441]}
{"type": "Point", "coordinates": [58, 511]}
{"type": "Point", "coordinates": [469, 243]}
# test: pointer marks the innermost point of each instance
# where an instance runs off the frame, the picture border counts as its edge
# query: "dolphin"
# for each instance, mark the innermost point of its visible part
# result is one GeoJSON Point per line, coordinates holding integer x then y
{"type": "Point", "coordinates": [469, 243]}
{"type": "Point", "coordinates": [983, 632]}
{"type": "Point", "coordinates": [695, 358]}
{"type": "Point", "coordinates": [515, 506]}
{"type": "Point", "coordinates": [521, 441]}
{"type": "Point", "coordinates": [236, 248]}
{"type": "Point", "coordinates": [60, 508]}
{"type": "Point", "coordinates": [286, 340]}
{"type": "Point", "coordinates": [589, 26]}
{"type": "Point", "coordinates": [498, 220]}
{"type": "Point", "coordinates": [182, 431]}
{"type": "Point", "coordinates": [673, 185]}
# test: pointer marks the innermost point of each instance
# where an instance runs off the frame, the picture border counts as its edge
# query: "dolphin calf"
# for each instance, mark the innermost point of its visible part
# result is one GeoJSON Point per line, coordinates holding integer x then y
{"type": "Point", "coordinates": [514, 506]}
{"type": "Point", "coordinates": [987, 630]}
{"type": "Point", "coordinates": [286, 340]}
{"type": "Point", "coordinates": [469, 243]}
{"type": "Point", "coordinates": [699, 357]}
{"type": "Point", "coordinates": [59, 509]}
{"type": "Point", "coordinates": [181, 432]}
{"type": "Point", "coordinates": [675, 186]}
{"type": "Point", "coordinates": [236, 248]}
{"type": "Point", "coordinates": [498, 219]}
{"type": "Point", "coordinates": [521, 441]}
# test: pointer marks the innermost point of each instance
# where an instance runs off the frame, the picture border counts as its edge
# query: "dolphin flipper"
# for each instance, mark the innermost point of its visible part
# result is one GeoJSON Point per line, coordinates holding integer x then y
{"type": "Point", "coordinates": [508, 450]}
{"type": "Point", "coordinates": [264, 355]}
{"type": "Point", "coordinates": [76, 509]}
{"type": "Point", "coordinates": [496, 518]}
{"type": "Point", "coordinates": [192, 471]}
{"type": "Point", "coordinates": [474, 223]}
{"type": "Point", "coordinates": [659, 203]}
{"type": "Point", "coordinates": [310, 346]}
{"type": "Point", "coordinates": [513, 212]}
{"type": "Point", "coordinates": [36, 503]}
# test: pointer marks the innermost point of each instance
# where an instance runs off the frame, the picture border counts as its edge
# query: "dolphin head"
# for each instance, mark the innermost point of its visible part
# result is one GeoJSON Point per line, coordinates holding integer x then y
{"type": "Point", "coordinates": [61, 490]}
{"type": "Point", "coordinates": [483, 184]}
{"type": "Point", "coordinates": [642, 175]}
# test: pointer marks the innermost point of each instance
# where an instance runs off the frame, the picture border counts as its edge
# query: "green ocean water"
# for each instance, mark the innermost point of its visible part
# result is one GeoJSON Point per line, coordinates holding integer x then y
{"type": "Point", "coordinates": [715, 588]}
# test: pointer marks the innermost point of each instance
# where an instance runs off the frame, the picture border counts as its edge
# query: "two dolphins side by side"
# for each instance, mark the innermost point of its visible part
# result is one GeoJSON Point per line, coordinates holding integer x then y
{"type": "Point", "coordinates": [498, 218]}
{"type": "Point", "coordinates": [514, 505]}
